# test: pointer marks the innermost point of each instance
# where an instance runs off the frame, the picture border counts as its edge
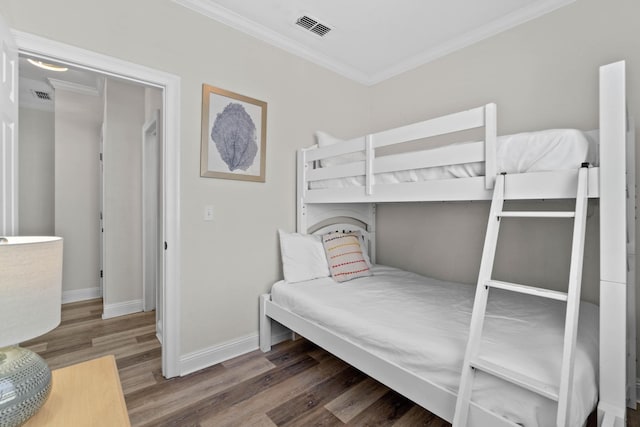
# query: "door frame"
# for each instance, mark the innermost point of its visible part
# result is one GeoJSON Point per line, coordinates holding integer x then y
{"type": "Point", "coordinates": [9, 170]}
{"type": "Point", "coordinates": [51, 50]}
{"type": "Point", "coordinates": [150, 126]}
{"type": "Point", "coordinates": [101, 202]}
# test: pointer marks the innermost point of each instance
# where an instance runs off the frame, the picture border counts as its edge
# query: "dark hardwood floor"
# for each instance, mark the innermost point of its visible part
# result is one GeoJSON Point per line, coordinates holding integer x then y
{"type": "Point", "coordinates": [295, 384]}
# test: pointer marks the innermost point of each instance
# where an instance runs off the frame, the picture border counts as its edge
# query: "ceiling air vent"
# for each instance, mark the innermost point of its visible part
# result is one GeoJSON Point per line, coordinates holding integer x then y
{"type": "Point", "coordinates": [312, 25]}
{"type": "Point", "coordinates": [46, 96]}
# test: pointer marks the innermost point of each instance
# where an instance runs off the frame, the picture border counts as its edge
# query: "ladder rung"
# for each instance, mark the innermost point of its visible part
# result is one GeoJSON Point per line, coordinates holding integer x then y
{"type": "Point", "coordinates": [530, 290]}
{"type": "Point", "coordinates": [538, 214]}
{"type": "Point", "coordinates": [516, 378]}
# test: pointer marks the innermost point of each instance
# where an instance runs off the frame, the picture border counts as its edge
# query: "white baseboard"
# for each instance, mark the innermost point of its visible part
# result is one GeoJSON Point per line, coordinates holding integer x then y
{"type": "Point", "coordinates": [121, 308]}
{"type": "Point", "coordinates": [219, 353]}
{"type": "Point", "coordinates": [76, 295]}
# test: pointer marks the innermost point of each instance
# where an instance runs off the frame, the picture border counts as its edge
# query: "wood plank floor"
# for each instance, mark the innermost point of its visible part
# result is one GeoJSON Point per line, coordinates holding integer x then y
{"type": "Point", "coordinates": [296, 384]}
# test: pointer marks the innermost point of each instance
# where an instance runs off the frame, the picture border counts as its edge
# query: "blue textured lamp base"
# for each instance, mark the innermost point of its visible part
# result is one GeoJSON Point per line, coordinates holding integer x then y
{"type": "Point", "coordinates": [25, 384]}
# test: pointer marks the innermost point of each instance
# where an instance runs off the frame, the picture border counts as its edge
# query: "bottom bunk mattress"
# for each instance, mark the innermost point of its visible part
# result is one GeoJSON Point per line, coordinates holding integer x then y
{"type": "Point", "coordinates": [421, 324]}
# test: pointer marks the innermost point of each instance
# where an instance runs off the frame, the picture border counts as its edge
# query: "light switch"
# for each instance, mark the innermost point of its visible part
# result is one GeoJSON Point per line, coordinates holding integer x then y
{"type": "Point", "coordinates": [208, 213]}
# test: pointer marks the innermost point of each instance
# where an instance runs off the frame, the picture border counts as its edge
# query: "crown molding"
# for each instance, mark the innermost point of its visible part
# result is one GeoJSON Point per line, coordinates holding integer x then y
{"type": "Point", "coordinates": [73, 87]}
{"type": "Point", "coordinates": [240, 23]}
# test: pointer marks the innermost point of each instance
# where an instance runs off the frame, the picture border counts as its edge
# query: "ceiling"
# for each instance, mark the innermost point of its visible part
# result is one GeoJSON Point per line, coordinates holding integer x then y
{"type": "Point", "coordinates": [373, 40]}
{"type": "Point", "coordinates": [37, 85]}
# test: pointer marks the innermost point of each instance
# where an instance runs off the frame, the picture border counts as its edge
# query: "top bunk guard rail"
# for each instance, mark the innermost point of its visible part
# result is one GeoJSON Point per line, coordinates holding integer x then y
{"type": "Point", "coordinates": [482, 151]}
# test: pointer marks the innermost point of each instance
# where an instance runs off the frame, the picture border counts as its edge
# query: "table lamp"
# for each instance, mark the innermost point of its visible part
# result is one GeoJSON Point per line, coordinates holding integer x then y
{"type": "Point", "coordinates": [30, 300]}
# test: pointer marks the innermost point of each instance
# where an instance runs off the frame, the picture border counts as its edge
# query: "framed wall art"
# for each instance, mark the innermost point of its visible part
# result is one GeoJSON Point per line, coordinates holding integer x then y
{"type": "Point", "coordinates": [234, 135]}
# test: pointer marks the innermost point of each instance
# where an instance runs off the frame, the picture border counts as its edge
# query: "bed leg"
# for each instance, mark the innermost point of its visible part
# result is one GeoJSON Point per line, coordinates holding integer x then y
{"type": "Point", "coordinates": [265, 324]}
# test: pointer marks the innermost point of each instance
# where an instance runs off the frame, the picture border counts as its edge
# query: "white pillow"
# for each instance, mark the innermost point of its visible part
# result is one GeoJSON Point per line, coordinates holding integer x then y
{"type": "Point", "coordinates": [326, 140]}
{"type": "Point", "coordinates": [303, 257]}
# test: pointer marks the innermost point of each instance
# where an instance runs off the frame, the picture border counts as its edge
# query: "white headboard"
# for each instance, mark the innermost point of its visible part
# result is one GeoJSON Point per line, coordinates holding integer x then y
{"type": "Point", "coordinates": [332, 217]}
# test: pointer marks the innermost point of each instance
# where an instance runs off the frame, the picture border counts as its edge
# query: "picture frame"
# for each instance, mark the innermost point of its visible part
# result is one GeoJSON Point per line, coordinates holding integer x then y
{"type": "Point", "coordinates": [234, 135]}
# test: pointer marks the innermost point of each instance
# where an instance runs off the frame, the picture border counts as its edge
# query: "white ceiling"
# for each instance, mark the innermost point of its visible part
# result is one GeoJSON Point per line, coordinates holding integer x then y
{"type": "Point", "coordinates": [34, 79]}
{"type": "Point", "coordinates": [373, 40]}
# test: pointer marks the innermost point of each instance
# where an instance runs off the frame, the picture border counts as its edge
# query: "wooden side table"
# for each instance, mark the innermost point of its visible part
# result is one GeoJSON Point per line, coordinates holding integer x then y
{"type": "Point", "coordinates": [87, 394]}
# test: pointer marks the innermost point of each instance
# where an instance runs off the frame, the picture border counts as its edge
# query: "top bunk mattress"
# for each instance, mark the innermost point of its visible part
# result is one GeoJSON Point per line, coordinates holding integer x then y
{"type": "Point", "coordinates": [421, 324]}
{"type": "Point", "coordinates": [547, 150]}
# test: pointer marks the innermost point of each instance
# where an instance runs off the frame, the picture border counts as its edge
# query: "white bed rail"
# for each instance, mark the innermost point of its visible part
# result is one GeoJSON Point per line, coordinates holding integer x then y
{"type": "Point", "coordinates": [482, 151]}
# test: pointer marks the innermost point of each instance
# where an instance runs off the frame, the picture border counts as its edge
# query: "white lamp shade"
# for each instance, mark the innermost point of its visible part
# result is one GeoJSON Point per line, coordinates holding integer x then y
{"type": "Point", "coordinates": [30, 287]}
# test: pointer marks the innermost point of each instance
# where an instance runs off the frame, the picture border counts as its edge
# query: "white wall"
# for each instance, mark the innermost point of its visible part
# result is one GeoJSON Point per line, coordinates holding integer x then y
{"type": "Point", "coordinates": [77, 124]}
{"type": "Point", "coordinates": [124, 117]}
{"type": "Point", "coordinates": [36, 168]}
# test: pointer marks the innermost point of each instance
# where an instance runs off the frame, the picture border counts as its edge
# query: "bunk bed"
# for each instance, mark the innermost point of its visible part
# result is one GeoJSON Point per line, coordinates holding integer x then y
{"type": "Point", "coordinates": [339, 186]}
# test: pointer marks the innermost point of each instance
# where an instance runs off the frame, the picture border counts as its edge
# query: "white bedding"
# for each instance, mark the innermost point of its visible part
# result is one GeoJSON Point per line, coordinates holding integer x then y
{"type": "Point", "coordinates": [422, 325]}
{"type": "Point", "coordinates": [553, 149]}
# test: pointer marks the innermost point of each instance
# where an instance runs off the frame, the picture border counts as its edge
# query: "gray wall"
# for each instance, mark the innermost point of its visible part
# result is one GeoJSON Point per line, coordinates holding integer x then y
{"type": "Point", "coordinates": [36, 168]}
{"type": "Point", "coordinates": [229, 262]}
{"type": "Point", "coordinates": [77, 126]}
{"type": "Point", "coordinates": [122, 150]}
{"type": "Point", "coordinates": [542, 74]}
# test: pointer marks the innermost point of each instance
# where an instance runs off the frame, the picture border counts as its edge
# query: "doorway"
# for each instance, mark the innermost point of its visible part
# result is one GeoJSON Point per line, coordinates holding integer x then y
{"type": "Point", "coordinates": [48, 50]}
{"type": "Point", "coordinates": [151, 217]}
{"type": "Point", "coordinates": [82, 145]}
{"type": "Point", "coordinates": [130, 168]}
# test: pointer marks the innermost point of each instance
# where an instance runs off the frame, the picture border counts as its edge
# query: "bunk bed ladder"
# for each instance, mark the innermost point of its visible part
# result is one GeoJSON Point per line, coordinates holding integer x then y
{"type": "Point", "coordinates": [472, 361]}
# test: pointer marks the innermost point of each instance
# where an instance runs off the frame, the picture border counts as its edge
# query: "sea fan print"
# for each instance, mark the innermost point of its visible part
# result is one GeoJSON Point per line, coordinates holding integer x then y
{"type": "Point", "coordinates": [234, 134]}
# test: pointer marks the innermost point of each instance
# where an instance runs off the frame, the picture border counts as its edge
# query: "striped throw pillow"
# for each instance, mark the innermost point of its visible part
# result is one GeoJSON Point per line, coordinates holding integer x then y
{"type": "Point", "coordinates": [344, 254]}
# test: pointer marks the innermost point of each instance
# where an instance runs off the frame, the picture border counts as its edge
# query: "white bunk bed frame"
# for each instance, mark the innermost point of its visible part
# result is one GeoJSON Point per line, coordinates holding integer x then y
{"type": "Point", "coordinates": [613, 182]}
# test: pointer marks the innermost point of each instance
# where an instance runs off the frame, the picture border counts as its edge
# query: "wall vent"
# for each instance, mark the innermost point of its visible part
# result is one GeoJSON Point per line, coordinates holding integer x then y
{"type": "Point", "coordinates": [312, 25]}
{"type": "Point", "coordinates": [45, 96]}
